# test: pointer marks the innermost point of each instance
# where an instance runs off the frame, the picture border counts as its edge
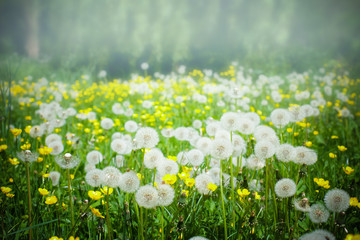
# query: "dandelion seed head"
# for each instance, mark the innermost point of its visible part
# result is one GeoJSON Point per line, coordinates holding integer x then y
{"type": "Point", "coordinates": [337, 200]}
{"type": "Point", "coordinates": [285, 188]}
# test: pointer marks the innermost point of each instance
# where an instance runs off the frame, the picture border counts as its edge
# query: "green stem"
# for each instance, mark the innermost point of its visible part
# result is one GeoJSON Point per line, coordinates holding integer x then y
{"type": "Point", "coordinates": [162, 223]}
{"type": "Point", "coordinates": [222, 200]}
{"type": "Point", "coordinates": [29, 196]}
{"type": "Point", "coordinates": [232, 193]}
{"type": "Point", "coordinates": [70, 198]}
{"type": "Point", "coordinates": [108, 216]}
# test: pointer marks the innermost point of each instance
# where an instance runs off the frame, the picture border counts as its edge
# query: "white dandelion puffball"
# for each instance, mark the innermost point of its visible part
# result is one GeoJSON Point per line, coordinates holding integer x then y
{"type": "Point", "coordinates": [221, 148]}
{"type": "Point", "coordinates": [254, 162]}
{"type": "Point", "coordinates": [147, 196]}
{"type": "Point", "coordinates": [212, 127]}
{"type": "Point", "coordinates": [88, 167]}
{"type": "Point", "coordinates": [285, 187]}
{"type": "Point", "coordinates": [167, 166]}
{"type": "Point", "coordinates": [27, 156]}
{"type": "Point", "coordinates": [214, 173]}
{"type": "Point", "coordinates": [117, 109]}
{"type": "Point", "coordinates": [182, 158]}
{"type": "Point", "coordinates": [147, 137]}
{"type": "Point", "coordinates": [131, 126]}
{"type": "Point", "coordinates": [201, 183]}
{"type": "Point", "coordinates": [204, 144]}
{"type": "Point", "coordinates": [302, 205]}
{"type": "Point", "coordinates": [67, 161]}
{"type": "Point", "coordinates": [254, 117]}
{"type": "Point", "coordinates": [57, 147]}
{"type": "Point", "coordinates": [280, 117]}
{"type": "Point", "coordinates": [230, 121]}
{"type": "Point", "coordinates": [94, 157]}
{"type": "Point", "coordinates": [318, 213]}
{"type": "Point", "coordinates": [197, 124]}
{"type": "Point", "coordinates": [152, 158]}
{"type": "Point", "coordinates": [181, 133]}
{"type": "Point", "coordinates": [36, 131]}
{"type": "Point", "coordinates": [337, 200]}
{"type": "Point", "coordinates": [263, 132]}
{"type": "Point", "coordinates": [198, 238]}
{"type": "Point", "coordinates": [246, 126]}
{"type": "Point", "coordinates": [107, 123]}
{"type": "Point", "coordinates": [94, 177]}
{"type": "Point", "coordinates": [111, 177]}
{"type": "Point", "coordinates": [129, 182]}
{"type": "Point", "coordinates": [55, 177]}
{"type": "Point", "coordinates": [318, 234]}
{"type": "Point", "coordinates": [166, 194]}
{"type": "Point", "coordinates": [121, 146]}
{"type": "Point", "coordinates": [196, 157]}
{"type": "Point", "coordinates": [285, 152]}
{"type": "Point", "coordinates": [304, 155]}
{"type": "Point", "coordinates": [144, 66]}
{"type": "Point", "coordinates": [52, 138]}
{"type": "Point", "coordinates": [264, 149]}
{"type": "Point", "coordinates": [119, 161]}
{"type": "Point", "coordinates": [167, 132]}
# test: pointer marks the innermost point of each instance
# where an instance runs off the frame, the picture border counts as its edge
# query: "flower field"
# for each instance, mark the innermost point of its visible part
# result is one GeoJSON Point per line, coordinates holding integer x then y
{"type": "Point", "coordinates": [190, 155]}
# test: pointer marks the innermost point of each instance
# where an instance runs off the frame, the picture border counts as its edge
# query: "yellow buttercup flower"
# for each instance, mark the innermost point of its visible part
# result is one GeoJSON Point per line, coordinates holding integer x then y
{"type": "Point", "coordinates": [96, 212]}
{"type": "Point", "coordinates": [212, 187]}
{"type": "Point", "coordinates": [322, 183]}
{"type": "Point", "coordinates": [332, 155]}
{"type": "Point", "coordinates": [106, 190]}
{"type": "Point", "coordinates": [348, 170]}
{"type": "Point", "coordinates": [186, 169]}
{"type": "Point", "coordinates": [45, 150]}
{"type": "Point", "coordinates": [257, 196]}
{"type": "Point", "coordinates": [95, 195]}
{"type": "Point", "coordinates": [170, 178]}
{"type": "Point", "coordinates": [3, 147]}
{"type": "Point", "coordinates": [342, 148]}
{"type": "Point", "coordinates": [189, 182]}
{"type": "Point", "coordinates": [6, 189]}
{"type": "Point", "coordinates": [183, 175]}
{"type": "Point", "coordinates": [43, 191]}
{"type": "Point", "coordinates": [243, 193]}
{"type": "Point", "coordinates": [14, 161]}
{"type": "Point", "coordinates": [186, 192]}
{"type": "Point", "coordinates": [55, 238]}
{"type": "Point", "coordinates": [51, 200]}
{"type": "Point", "coordinates": [354, 202]}
{"type": "Point", "coordinates": [352, 237]}
{"type": "Point", "coordinates": [16, 131]}
{"type": "Point", "coordinates": [308, 143]}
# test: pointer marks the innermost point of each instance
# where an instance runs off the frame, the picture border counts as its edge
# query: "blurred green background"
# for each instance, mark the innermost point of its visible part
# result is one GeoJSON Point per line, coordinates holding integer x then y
{"type": "Point", "coordinates": [118, 35]}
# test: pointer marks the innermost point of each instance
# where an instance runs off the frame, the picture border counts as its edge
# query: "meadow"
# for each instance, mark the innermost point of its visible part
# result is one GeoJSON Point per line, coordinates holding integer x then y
{"type": "Point", "coordinates": [237, 154]}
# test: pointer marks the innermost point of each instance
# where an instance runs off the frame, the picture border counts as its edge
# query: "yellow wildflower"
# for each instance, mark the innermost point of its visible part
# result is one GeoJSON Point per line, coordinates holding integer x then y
{"type": "Point", "coordinates": [315, 133]}
{"type": "Point", "coordinates": [308, 143]}
{"type": "Point", "coordinates": [334, 137]}
{"type": "Point", "coordinates": [106, 190]}
{"type": "Point", "coordinates": [95, 195]}
{"type": "Point", "coordinates": [25, 146]}
{"type": "Point", "coordinates": [27, 129]}
{"type": "Point", "coordinates": [243, 193]}
{"type": "Point", "coordinates": [183, 175]}
{"type": "Point", "coordinates": [14, 161]}
{"type": "Point", "coordinates": [55, 238]}
{"type": "Point", "coordinates": [43, 191]}
{"type": "Point", "coordinates": [16, 131]}
{"type": "Point", "coordinates": [342, 148]}
{"type": "Point", "coordinates": [289, 130]}
{"type": "Point", "coordinates": [189, 182]}
{"type": "Point", "coordinates": [51, 200]}
{"type": "Point", "coordinates": [354, 202]}
{"type": "Point", "coordinates": [45, 150]}
{"type": "Point", "coordinates": [348, 170]}
{"type": "Point", "coordinates": [257, 196]}
{"type": "Point", "coordinates": [186, 169]}
{"type": "Point", "coordinates": [332, 155]}
{"type": "Point", "coordinates": [3, 147]}
{"type": "Point", "coordinates": [322, 182]}
{"type": "Point", "coordinates": [10, 195]}
{"type": "Point", "coordinates": [174, 158]}
{"type": "Point", "coordinates": [211, 187]}
{"type": "Point", "coordinates": [6, 189]}
{"type": "Point", "coordinates": [186, 192]}
{"type": "Point", "coordinates": [96, 212]}
{"type": "Point", "coordinates": [170, 178]}
{"type": "Point", "coordinates": [352, 237]}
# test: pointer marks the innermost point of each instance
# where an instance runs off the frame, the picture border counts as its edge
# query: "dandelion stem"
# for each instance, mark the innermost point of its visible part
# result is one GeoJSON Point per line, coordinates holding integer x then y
{"type": "Point", "coordinates": [70, 198]}
{"type": "Point", "coordinates": [29, 196]}
{"type": "Point", "coordinates": [222, 200]}
{"type": "Point", "coordinates": [162, 223]}
{"type": "Point", "coordinates": [232, 193]}
{"type": "Point", "coordinates": [108, 216]}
